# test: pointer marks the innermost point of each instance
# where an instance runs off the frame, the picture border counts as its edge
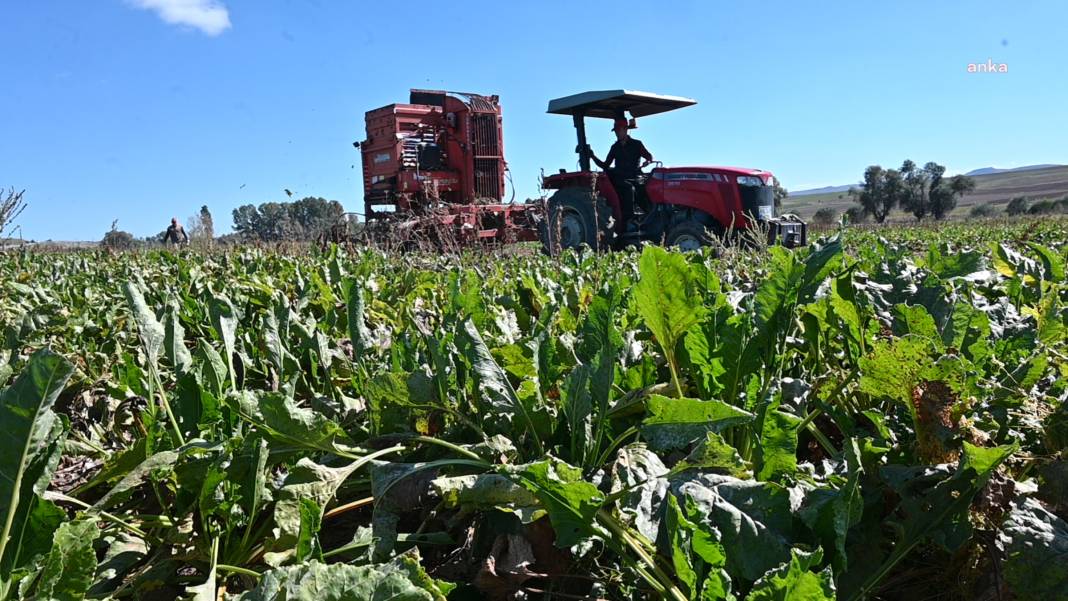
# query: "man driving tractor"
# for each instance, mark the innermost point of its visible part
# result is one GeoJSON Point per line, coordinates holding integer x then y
{"type": "Point", "coordinates": [626, 152]}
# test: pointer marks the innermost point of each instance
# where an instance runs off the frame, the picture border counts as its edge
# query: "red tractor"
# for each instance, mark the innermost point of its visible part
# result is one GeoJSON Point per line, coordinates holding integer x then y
{"type": "Point", "coordinates": [676, 206]}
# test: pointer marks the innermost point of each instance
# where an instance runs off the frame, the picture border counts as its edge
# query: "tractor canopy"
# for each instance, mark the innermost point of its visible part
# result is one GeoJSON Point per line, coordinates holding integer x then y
{"type": "Point", "coordinates": [610, 104]}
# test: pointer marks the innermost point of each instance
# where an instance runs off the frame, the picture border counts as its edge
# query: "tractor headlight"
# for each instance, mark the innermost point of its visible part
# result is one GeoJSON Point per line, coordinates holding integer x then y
{"type": "Point", "coordinates": [749, 180]}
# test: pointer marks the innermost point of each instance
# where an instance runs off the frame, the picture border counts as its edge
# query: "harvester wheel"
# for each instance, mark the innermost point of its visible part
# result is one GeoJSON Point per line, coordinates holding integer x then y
{"type": "Point", "coordinates": [688, 235]}
{"type": "Point", "coordinates": [574, 217]}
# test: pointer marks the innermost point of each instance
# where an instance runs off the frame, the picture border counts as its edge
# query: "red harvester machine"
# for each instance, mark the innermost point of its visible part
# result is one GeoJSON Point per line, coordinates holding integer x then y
{"type": "Point", "coordinates": [434, 170]}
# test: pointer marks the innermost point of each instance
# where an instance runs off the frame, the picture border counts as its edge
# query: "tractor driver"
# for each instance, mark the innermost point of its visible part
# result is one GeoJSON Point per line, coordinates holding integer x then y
{"type": "Point", "coordinates": [627, 153]}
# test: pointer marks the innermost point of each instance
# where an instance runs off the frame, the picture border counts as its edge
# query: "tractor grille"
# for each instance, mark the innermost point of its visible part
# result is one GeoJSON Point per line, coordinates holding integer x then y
{"type": "Point", "coordinates": [484, 135]}
{"type": "Point", "coordinates": [487, 179]}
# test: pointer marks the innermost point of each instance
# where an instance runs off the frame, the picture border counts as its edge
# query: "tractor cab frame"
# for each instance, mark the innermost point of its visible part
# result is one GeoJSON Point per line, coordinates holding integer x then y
{"type": "Point", "coordinates": [681, 206]}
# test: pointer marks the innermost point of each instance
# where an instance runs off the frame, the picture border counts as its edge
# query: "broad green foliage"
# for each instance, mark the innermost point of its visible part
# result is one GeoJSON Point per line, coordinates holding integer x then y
{"type": "Point", "coordinates": [1036, 543]}
{"type": "Point", "coordinates": [399, 580]}
{"type": "Point", "coordinates": [29, 451]}
{"type": "Point", "coordinates": [67, 571]}
{"type": "Point", "coordinates": [677, 423]}
{"type": "Point", "coordinates": [849, 420]}
{"type": "Point", "coordinates": [572, 502]}
{"type": "Point", "coordinates": [796, 580]}
{"type": "Point", "coordinates": [667, 300]}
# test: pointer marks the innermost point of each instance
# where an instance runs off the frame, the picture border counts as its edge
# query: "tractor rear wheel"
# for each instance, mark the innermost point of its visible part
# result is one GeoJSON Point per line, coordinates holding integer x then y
{"type": "Point", "coordinates": [688, 235]}
{"type": "Point", "coordinates": [574, 217]}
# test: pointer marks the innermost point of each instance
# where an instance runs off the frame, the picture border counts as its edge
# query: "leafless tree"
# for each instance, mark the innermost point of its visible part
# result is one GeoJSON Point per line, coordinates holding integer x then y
{"type": "Point", "coordinates": [10, 207]}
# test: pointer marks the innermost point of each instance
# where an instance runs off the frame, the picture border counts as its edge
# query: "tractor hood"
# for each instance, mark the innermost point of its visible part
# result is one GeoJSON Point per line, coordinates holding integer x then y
{"type": "Point", "coordinates": [732, 173]}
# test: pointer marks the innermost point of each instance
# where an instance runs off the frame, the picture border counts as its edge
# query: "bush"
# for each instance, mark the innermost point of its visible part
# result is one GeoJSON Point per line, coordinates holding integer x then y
{"type": "Point", "coordinates": [825, 216]}
{"type": "Point", "coordinates": [856, 215]}
{"type": "Point", "coordinates": [117, 239]}
{"type": "Point", "coordinates": [983, 211]}
{"type": "Point", "coordinates": [1049, 207]}
{"type": "Point", "coordinates": [1017, 206]}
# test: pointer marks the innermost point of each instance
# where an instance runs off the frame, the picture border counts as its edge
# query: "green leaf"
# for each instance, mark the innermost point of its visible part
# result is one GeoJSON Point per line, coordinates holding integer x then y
{"type": "Point", "coordinates": [777, 448]}
{"type": "Point", "coordinates": [1036, 546]}
{"type": "Point", "coordinates": [224, 319]}
{"type": "Point", "coordinates": [796, 580]}
{"type": "Point", "coordinates": [664, 295]}
{"type": "Point", "coordinates": [389, 403]}
{"type": "Point", "coordinates": [600, 350]}
{"type": "Point", "coordinates": [359, 334]}
{"type": "Point", "coordinates": [307, 481]}
{"type": "Point", "coordinates": [715, 453]}
{"type": "Point", "coordinates": [1052, 262]}
{"type": "Point", "coordinates": [174, 342]}
{"type": "Point", "coordinates": [399, 580]}
{"type": "Point", "coordinates": [213, 369]}
{"type": "Point", "coordinates": [149, 329]}
{"type": "Point", "coordinates": [830, 513]}
{"type": "Point", "coordinates": [940, 512]}
{"type": "Point", "coordinates": [481, 491]}
{"type": "Point", "coordinates": [754, 519]}
{"type": "Point", "coordinates": [278, 417]}
{"type": "Point", "coordinates": [639, 485]}
{"type": "Point", "coordinates": [29, 452]}
{"type": "Point", "coordinates": [195, 408]}
{"type": "Point", "coordinates": [572, 502]}
{"type": "Point", "coordinates": [892, 368]}
{"type": "Point", "coordinates": [914, 320]}
{"type": "Point", "coordinates": [666, 298]}
{"type": "Point", "coordinates": [158, 464]}
{"type": "Point", "coordinates": [503, 407]}
{"type": "Point", "coordinates": [679, 530]}
{"type": "Point", "coordinates": [952, 264]}
{"type": "Point", "coordinates": [676, 423]}
{"type": "Point", "coordinates": [695, 551]}
{"type": "Point", "coordinates": [69, 567]}
{"type": "Point", "coordinates": [820, 263]}
{"type": "Point", "coordinates": [1051, 326]}
{"type": "Point", "coordinates": [280, 357]}
{"type": "Point", "coordinates": [311, 517]}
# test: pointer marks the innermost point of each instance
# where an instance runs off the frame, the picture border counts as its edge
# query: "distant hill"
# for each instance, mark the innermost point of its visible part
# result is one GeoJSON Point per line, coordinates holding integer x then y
{"type": "Point", "coordinates": [824, 190]}
{"type": "Point", "coordinates": [997, 188]}
{"type": "Point", "coordinates": [989, 170]}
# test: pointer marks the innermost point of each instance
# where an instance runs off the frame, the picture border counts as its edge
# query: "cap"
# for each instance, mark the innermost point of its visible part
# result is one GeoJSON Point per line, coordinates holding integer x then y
{"type": "Point", "coordinates": [620, 122]}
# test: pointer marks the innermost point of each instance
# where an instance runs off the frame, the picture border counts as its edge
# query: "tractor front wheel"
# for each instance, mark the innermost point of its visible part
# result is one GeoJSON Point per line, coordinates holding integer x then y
{"type": "Point", "coordinates": [687, 236]}
{"type": "Point", "coordinates": [574, 217]}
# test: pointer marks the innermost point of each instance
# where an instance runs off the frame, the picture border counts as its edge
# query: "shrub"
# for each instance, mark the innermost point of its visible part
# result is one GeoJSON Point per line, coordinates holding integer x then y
{"type": "Point", "coordinates": [1017, 206]}
{"type": "Point", "coordinates": [825, 216]}
{"type": "Point", "coordinates": [116, 239]}
{"type": "Point", "coordinates": [983, 211]}
{"type": "Point", "coordinates": [856, 215]}
{"type": "Point", "coordinates": [1049, 207]}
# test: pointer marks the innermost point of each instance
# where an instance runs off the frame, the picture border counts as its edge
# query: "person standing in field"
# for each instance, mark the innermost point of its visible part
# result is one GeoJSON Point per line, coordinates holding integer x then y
{"type": "Point", "coordinates": [175, 233]}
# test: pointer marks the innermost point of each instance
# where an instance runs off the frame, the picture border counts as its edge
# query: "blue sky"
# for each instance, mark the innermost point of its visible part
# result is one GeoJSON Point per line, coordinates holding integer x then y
{"type": "Point", "coordinates": [138, 110]}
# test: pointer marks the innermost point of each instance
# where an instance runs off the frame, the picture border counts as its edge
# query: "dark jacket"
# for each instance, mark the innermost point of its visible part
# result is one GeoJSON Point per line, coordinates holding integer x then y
{"type": "Point", "coordinates": [176, 234]}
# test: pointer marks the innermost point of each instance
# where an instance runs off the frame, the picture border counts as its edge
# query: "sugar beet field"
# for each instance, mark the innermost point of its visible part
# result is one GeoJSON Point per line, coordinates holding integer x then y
{"type": "Point", "coordinates": [880, 415]}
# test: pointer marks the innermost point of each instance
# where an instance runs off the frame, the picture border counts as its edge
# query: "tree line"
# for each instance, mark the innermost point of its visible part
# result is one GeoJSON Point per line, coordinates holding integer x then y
{"type": "Point", "coordinates": [302, 220]}
{"type": "Point", "coordinates": [922, 191]}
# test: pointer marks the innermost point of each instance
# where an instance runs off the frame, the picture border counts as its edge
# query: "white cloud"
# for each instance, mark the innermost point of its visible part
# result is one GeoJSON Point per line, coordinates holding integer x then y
{"type": "Point", "coordinates": [209, 16]}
